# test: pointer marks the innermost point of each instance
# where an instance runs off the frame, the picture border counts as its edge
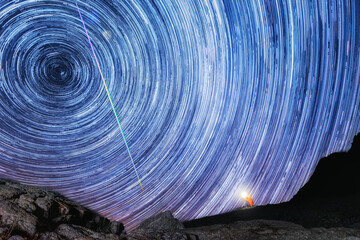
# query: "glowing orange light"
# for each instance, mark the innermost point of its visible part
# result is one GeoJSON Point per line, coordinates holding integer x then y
{"type": "Point", "coordinates": [247, 197]}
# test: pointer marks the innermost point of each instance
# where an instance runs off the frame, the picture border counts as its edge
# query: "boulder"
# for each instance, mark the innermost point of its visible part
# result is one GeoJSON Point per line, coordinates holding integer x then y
{"type": "Point", "coordinates": [162, 222]}
{"type": "Point", "coordinates": [161, 226]}
{"type": "Point", "coordinates": [70, 232]}
{"type": "Point", "coordinates": [116, 227]}
{"type": "Point", "coordinates": [17, 218]}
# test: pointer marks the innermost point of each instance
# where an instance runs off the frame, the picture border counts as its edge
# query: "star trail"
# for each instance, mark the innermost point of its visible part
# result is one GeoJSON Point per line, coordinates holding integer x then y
{"type": "Point", "coordinates": [215, 98]}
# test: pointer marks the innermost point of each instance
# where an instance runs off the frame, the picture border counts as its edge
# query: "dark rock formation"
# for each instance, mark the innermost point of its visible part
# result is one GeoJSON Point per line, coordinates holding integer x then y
{"type": "Point", "coordinates": [270, 229]}
{"type": "Point", "coordinates": [32, 213]}
{"type": "Point", "coordinates": [162, 226]}
{"type": "Point", "coordinates": [331, 198]}
{"type": "Point", "coordinates": [162, 222]}
{"type": "Point", "coordinates": [157, 228]}
{"type": "Point", "coordinates": [335, 176]}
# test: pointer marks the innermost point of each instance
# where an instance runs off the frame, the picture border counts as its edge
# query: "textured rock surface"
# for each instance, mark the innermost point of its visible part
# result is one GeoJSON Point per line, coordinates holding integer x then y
{"type": "Point", "coordinates": [32, 213]}
{"type": "Point", "coordinates": [270, 229]}
{"type": "Point", "coordinates": [163, 222]}
{"type": "Point", "coordinates": [161, 226]}
{"type": "Point", "coordinates": [245, 230]}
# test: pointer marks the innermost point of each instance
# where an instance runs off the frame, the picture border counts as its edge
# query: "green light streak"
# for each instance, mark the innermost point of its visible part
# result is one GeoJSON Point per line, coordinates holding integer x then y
{"type": "Point", "coordinates": [109, 96]}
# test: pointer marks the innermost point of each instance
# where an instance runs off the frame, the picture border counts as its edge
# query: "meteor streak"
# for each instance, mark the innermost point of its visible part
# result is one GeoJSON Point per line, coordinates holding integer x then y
{"type": "Point", "coordinates": [109, 96]}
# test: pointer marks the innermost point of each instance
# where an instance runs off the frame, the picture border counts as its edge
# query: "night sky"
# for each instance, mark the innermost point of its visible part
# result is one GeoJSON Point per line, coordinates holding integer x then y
{"type": "Point", "coordinates": [214, 97]}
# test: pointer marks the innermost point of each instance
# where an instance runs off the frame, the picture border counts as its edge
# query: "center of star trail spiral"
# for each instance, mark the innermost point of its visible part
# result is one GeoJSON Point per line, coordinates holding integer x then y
{"type": "Point", "coordinates": [217, 97]}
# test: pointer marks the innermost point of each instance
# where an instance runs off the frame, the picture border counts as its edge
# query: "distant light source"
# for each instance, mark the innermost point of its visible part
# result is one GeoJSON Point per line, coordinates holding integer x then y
{"type": "Point", "coordinates": [244, 194]}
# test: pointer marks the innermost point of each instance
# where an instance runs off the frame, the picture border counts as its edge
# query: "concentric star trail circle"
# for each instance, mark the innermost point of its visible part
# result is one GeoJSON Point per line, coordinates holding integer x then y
{"type": "Point", "coordinates": [215, 98]}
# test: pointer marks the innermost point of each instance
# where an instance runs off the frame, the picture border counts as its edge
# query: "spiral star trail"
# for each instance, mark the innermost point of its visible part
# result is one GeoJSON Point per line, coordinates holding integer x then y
{"type": "Point", "coordinates": [215, 97]}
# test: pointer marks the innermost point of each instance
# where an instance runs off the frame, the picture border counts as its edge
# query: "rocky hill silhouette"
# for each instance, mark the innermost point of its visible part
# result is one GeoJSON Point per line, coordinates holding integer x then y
{"type": "Point", "coordinates": [331, 198]}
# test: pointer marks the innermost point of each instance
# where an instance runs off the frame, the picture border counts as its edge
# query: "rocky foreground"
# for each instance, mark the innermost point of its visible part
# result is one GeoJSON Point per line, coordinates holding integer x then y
{"type": "Point", "coordinates": [32, 213]}
{"type": "Point", "coordinates": [164, 226]}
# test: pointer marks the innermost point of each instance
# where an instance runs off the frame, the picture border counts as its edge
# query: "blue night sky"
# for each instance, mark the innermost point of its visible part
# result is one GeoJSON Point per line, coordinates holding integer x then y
{"type": "Point", "coordinates": [214, 97]}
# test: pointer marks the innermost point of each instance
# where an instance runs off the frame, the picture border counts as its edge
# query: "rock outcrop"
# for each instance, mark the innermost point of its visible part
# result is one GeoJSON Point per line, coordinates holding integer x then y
{"type": "Point", "coordinates": [271, 229]}
{"type": "Point", "coordinates": [32, 213]}
{"type": "Point", "coordinates": [162, 226]}
{"type": "Point", "coordinates": [165, 227]}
